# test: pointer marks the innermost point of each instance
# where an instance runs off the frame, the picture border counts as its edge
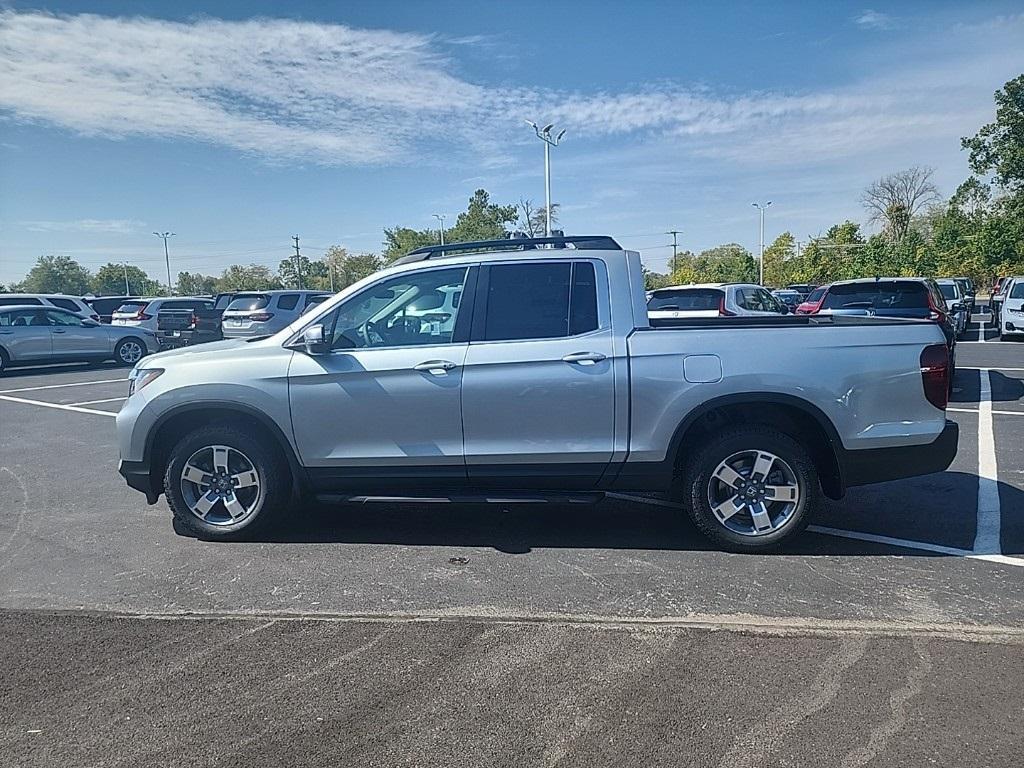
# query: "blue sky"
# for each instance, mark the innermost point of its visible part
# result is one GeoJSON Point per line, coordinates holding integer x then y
{"type": "Point", "coordinates": [237, 125]}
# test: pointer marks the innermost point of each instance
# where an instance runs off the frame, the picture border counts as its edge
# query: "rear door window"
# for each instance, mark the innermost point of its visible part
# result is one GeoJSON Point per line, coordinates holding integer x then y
{"type": "Point", "coordinates": [132, 307]}
{"type": "Point", "coordinates": [8, 301]}
{"type": "Point", "coordinates": [288, 301]}
{"type": "Point", "coordinates": [583, 299]}
{"type": "Point", "coordinates": [66, 304]}
{"type": "Point", "coordinates": [527, 301]}
{"type": "Point", "coordinates": [684, 299]}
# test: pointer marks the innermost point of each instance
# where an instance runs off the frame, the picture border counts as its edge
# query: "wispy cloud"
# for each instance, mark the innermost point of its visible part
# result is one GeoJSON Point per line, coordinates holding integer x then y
{"type": "Point", "coordinates": [870, 19]}
{"type": "Point", "coordinates": [110, 226]}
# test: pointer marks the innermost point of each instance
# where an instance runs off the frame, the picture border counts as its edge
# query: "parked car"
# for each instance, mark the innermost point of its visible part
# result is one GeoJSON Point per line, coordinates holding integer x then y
{"type": "Point", "coordinates": [713, 300]}
{"type": "Point", "coordinates": [956, 304]}
{"type": "Point", "coordinates": [105, 306]}
{"type": "Point", "coordinates": [70, 303]}
{"type": "Point", "coordinates": [812, 303]}
{"type": "Point", "coordinates": [1011, 317]}
{"type": "Point", "coordinates": [789, 297]}
{"type": "Point", "coordinates": [995, 301]}
{"type": "Point", "coordinates": [31, 335]}
{"type": "Point", "coordinates": [177, 324]}
{"type": "Point", "coordinates": [142, 313]}
{"type": "Point", "coordinates": [895, 297]}
{"type": "Point", "coordinates": [552, 383]}
{"type": "Point", "coordinates": [259, 313]}
{"type": "Point", "coordinates": [804, 289]}
{"type": "Point", "coordinates": [968, 291]}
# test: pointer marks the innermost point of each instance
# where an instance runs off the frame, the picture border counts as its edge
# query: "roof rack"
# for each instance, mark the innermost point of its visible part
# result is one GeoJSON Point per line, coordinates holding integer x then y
{"type": "Point", "coordinates": [513, 243]}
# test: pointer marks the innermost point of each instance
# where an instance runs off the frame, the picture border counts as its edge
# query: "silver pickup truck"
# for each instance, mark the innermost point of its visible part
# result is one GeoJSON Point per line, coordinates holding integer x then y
{"type": "Point", "coordinates": [528, 369]}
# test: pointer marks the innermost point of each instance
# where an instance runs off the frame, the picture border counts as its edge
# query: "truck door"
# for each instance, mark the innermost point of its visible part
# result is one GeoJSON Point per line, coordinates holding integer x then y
{"type": "Point", "coordinates": [538, 391]}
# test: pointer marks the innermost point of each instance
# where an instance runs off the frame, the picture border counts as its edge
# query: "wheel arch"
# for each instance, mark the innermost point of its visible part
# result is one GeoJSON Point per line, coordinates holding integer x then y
{"type": "Point", "coordinates": [794, 415]}
{"type": "Point", "coordinates": [176, 422]}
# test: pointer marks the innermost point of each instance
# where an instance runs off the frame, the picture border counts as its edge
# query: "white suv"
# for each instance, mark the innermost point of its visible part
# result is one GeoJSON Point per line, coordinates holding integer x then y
{"type": "Point", "coordinates": [142, 313]}
{"type": "Point", "coordinates": [713, 300]}
{"type": "Point", "coordinates": [1011, 314]}
{"type": "Point", "coordinates": [60, 300]}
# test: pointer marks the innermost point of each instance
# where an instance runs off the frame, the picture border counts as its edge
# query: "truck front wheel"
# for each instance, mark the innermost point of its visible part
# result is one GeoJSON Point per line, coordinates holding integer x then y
{"type": "Point", "coordinates": [750, 488]}
{"type": "Point", "coordinates": [223, 482]}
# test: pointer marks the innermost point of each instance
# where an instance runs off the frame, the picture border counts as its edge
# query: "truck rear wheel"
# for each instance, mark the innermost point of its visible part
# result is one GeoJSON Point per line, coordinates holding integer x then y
{"type": "Point", "coordinates": [750, 488]}
{"type": "Point", "coordinates": [223, 482]}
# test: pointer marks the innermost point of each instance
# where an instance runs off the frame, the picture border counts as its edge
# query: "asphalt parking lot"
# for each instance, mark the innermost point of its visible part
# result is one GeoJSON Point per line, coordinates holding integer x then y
{"type": "Point", "coordinates": [891, 633]}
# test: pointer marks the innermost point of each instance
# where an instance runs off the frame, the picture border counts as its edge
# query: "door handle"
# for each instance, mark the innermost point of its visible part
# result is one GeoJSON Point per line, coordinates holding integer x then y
{"type": "Point", "coordinates": [59, 330]}
{"type": "Point", "coordinates": [584, 358]}
{"type": "Point", "coordinates": [6, 333]}
{"type": "Point", "coordinates": [436, 367]}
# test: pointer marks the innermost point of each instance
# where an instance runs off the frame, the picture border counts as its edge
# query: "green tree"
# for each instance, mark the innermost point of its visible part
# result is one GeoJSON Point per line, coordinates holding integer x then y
{"type": "Point", "coordinates": [253, 277]}
{"type": "Point", "coordinates": [303, 272]}
{"type": "Point", "coordinates": [349, 268]}
{"type": "Point", "coordinates": [777, 260]}
{"type": "Point", "coordinates": [532, 220]}
{"type": "Point", "coordinates": [109, 280]}
{"type": "Point", "coordinates": [999, 146]}
{"type": "Point", "coordinates": [195, 284]}
{"type": "Point", "coordinates": [57, 274]}
{"type": "Point", "coordinates": [399, 241]}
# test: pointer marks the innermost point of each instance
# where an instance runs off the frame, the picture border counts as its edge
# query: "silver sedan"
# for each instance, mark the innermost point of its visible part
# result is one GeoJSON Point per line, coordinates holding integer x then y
{"type": "Point", "coordinates": [32, 335]}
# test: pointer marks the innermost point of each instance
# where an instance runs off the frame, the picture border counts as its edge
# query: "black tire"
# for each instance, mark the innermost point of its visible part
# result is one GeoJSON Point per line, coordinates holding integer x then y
{"type": "Point", "coordinates": [5, 361]}
{"type": "Point", "coordinates": [123, 345]}
{"type": "Point", "coordinates": [271, 499]}
{"type": "Point", "coordinates": [697, 476]}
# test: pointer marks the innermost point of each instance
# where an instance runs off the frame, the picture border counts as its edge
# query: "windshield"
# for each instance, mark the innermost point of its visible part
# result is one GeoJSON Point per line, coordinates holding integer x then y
{"type": "Point", "coordinates": [882, 294]}
{"type": "Point", "coordinates": [684, 299]}
{"type": "Point", "coordinates": [1017, 292]}
{"type": "Point", "coordinates": [248, 303]}
{"type": "Point", "coordinates": [132, 307]}
{"type": "Point", "coordinates": [815, 296]}
{"type": "Point", "coordinates": [948, 290]}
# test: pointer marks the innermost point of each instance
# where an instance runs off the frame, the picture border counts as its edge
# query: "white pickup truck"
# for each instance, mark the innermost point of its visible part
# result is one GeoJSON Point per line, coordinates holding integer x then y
{"type": "Point", "coordinates": [528, 369]}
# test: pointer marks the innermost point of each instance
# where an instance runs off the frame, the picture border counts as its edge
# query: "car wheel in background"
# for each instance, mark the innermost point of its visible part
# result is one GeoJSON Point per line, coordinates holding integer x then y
{"type": "Point", "coordinates": [750, 488]}
{"type": "Point", "coordinates": [223, 482]}
{"type": "Point", "coordinates": [129, 351]}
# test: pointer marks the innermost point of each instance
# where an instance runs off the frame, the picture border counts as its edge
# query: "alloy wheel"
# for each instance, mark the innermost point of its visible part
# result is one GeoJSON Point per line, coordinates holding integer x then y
{"type": "Point", "coordinates": [753, 493]}
{"type": "Point", "coordinates": [130, 352]}
{"type": "Point", "coordinates": [220, 485]}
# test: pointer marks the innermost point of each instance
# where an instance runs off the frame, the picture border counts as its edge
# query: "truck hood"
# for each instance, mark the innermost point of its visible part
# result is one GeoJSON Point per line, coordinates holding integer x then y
{"type": "Point", "coordinates": [221, 349]}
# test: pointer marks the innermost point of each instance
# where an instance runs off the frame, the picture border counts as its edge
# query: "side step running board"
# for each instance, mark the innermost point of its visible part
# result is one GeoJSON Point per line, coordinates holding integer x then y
{"type": "Point", "coordinates": [479, 497]}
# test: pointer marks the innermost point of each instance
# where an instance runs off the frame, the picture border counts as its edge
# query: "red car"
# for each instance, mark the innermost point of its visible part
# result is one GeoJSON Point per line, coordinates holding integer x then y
{"type": "Point", "coordinates": [812, 303]}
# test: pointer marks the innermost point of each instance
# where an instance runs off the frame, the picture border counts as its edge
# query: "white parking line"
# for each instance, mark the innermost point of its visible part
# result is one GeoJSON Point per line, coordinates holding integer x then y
{"type": "Point", "coordinates": [987, 535]}
{"type": "Point", "coordinates": [97, 402]}
{"type": "Point", "coordinates": [58, 406]}
{"type": "Point", "coordinates": [997, 413]}
{"type": "Point", "coordinates": [60, 386]}
{"type": "Point", "coordinates": [990, 368]}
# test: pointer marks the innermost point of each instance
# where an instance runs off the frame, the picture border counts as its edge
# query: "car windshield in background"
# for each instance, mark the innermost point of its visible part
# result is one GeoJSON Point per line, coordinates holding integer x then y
{"type": "Point", "coordinates": [815, 295]}
{"type": "Point", "coordinates": [1017, 292]}
{"type": "Point", "coordinates": [248, 303]}
{"type": "Point", "coordinates": [883, 294]}
{"type": "Point", "coordinates": [132, 306]}
{"type": "Point", "coordinates": [685, 299]}
{"type": "Point", "coordinates": [948, 291]}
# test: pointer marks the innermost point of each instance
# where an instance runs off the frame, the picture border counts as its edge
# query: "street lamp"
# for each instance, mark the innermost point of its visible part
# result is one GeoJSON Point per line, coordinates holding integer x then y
{"type": "Point", "coordinates": [762, 209]}
{"type": "Point", "coordinates": [440, 218]}
{"type": "Point", "coordinates": [165, 236]}
{"type": "Point", "coordinates": [544, 134]}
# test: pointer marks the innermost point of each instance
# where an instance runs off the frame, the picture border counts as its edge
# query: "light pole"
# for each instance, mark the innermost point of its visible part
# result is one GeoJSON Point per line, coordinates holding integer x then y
{"type": "Point", "coordinates": [127, 290]}
{"type": "Point", "coordinates": [544, 134]}
{"type": "Point", "coordinates": [762, 209]}
{"type": "Point", "coordinates": [165, 236]}
{"type": "Point", "coordinates": [675, 249]}
{"type": "Point", "coordinates": [440, 218]}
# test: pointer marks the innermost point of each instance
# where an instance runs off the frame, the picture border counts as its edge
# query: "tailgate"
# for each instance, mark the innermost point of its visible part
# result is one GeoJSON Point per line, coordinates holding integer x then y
{"type": "Point", "coordinates": [174, 320]}
{"type": "Point", "coordinates": [208, 320]}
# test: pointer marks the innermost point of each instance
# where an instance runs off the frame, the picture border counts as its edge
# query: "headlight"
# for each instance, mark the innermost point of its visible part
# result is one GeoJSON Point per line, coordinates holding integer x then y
{"type": "Point", "coordinates": [1016, 311]}
{"type": "Point", "coordinates": [140, 377]}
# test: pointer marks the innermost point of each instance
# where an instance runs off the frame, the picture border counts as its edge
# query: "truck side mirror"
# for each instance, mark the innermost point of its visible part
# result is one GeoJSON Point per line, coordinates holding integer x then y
{"type": "Point", "coordinates": [313, 339]}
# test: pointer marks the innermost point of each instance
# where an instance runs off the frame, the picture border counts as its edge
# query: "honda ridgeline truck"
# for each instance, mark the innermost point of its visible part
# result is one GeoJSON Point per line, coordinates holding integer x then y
{"type": "Point", "coordinates": [528, 369]}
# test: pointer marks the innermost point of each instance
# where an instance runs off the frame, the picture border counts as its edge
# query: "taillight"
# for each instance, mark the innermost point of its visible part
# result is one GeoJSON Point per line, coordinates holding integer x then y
{"type": "Point", "coordinates": [94, 318]}
{"type": "Point", "coordinates": [934, 312]}
{"type": "Point", "coordinates": [194, 321]}
{"type": "Point", "coordinates": [141, 314]}
{"type": "Point", "coordinates": [935, 374]}
{"type": "Point", "coordinates": [722, 311]}
{"type": "Point", "coordinates": [261, 317]}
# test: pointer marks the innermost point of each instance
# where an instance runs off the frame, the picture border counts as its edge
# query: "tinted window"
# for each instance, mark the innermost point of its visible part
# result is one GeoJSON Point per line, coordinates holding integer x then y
{"type": "Point", "coordinates": [8, 301]}
{"type": "Point", "coordinates": [883, 294]}
{"type": "Point", "coordinates": [948, 290]}
{"type": "Point", "coordinates": [132, 307]}
{"type": "Point", "coordinates": [815, 295]}
{"type": "Point", "coordinates": [288, 301]}
{"type": "Point", "coordinates": [748, 298]}
{"type": "Point", "coordinates": [66, 304]}
{"type": "Point", "coordinates": [22, 317]}
{"type": "Point", "coordinates": [248, 303]}
{"type": "Point", "coordinates": [685, 299]}
{"type": "Point", "coordinates": [527, 301]}
{"type": "Point", "coordinates": [312, 301]}
{"type": "Point", "coordinates": [583, 299]}
{"type": "Point", "coordinates": [1017, 292]}
{"type": "Point", "coordinates": [185, 305]}
{"type": "Point", "coordinates": [56, 317]}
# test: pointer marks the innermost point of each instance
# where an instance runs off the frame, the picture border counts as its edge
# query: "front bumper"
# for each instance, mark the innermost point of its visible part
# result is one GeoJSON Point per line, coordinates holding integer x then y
{"type": "Point", "coordinates": [138, 476]}
{"type": "Point", "coordinates": [878, 465]}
